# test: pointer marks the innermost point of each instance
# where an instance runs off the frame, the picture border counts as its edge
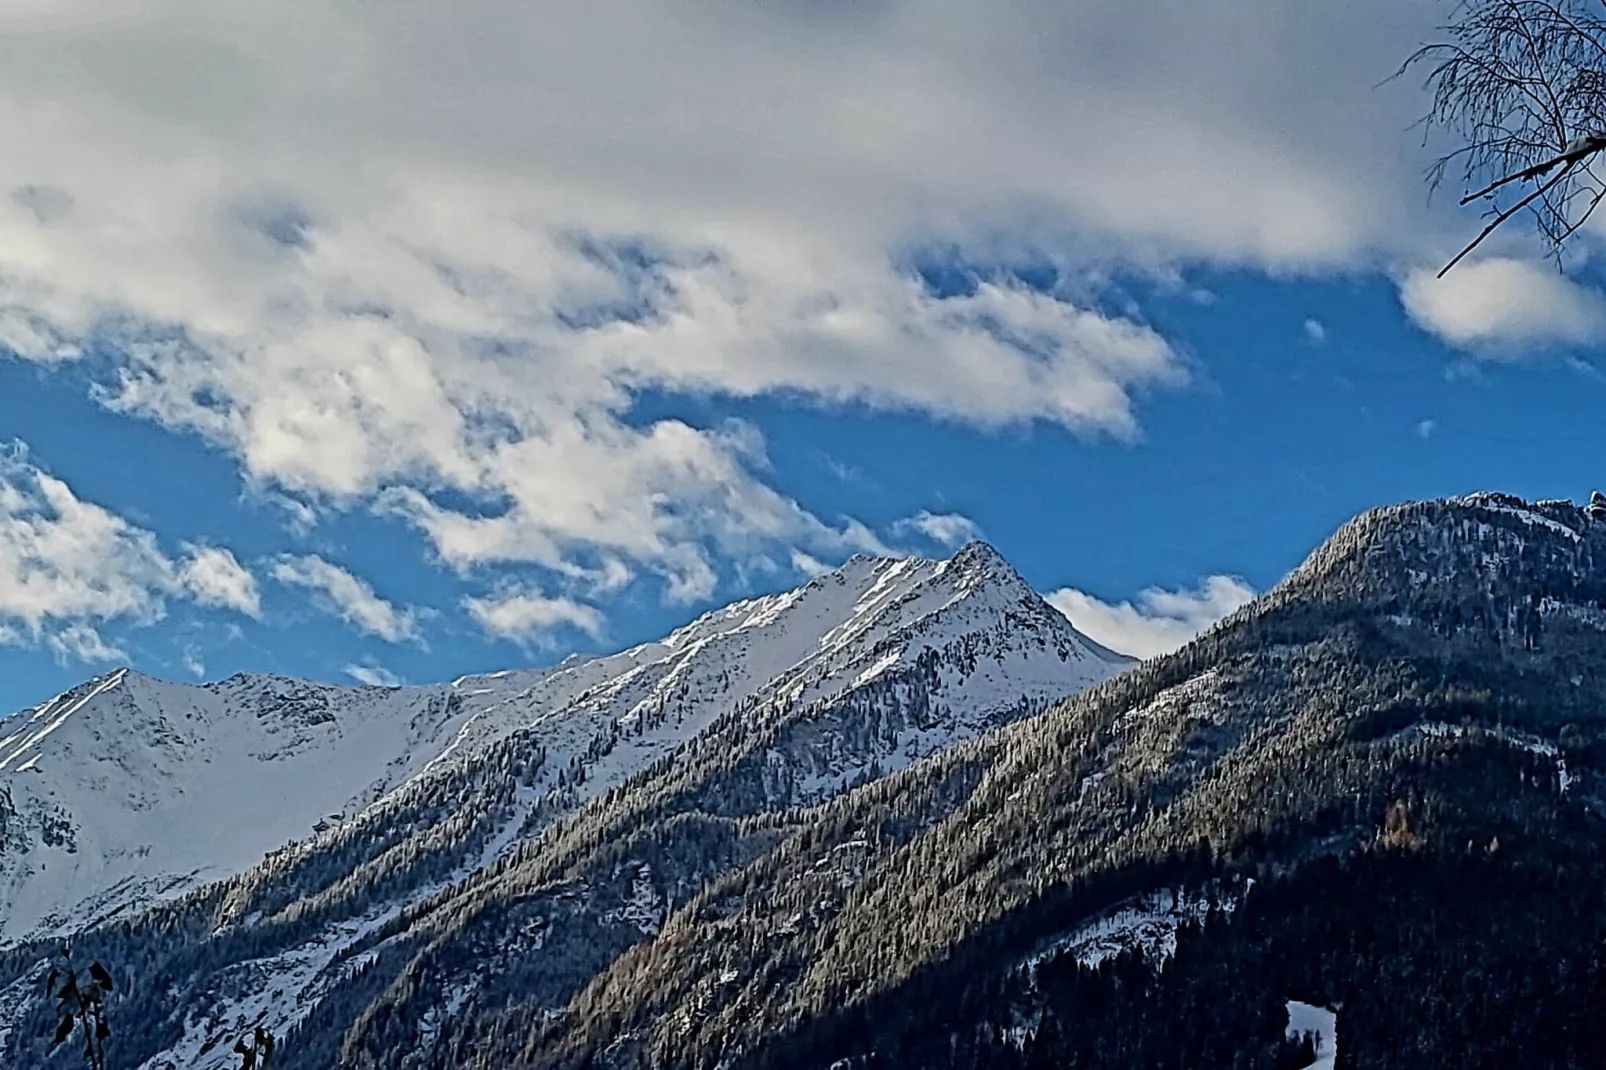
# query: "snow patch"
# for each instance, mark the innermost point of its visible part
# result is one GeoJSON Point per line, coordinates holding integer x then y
{"type": "Point", "coordinates": [1499, 504]}
{"type": "Point", "coordinates": [1521, 740]}
{"type": "Point", "coordinates": [1147, 925]}
{"type": "Point", "coordinates": [277, 993]}
{"type": "Point", "coordinates": [1323, 1024]}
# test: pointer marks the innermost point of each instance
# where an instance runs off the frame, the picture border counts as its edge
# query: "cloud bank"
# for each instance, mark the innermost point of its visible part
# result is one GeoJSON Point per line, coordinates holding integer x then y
{"type": "Point", "coordinates": [1502, 307]}
{"type": "Point", "coordinates": [427, 259]}
{"type": "Point", "coordinates": [69, 567]}
{"type": "Point", "coordinates": [1159, 621]}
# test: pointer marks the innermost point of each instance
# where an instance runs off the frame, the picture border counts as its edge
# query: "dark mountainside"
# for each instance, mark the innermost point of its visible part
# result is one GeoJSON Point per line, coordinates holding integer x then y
{"type": "Point", "coordinates": [1378, 787]}
{"type": "Point", "coordinates": [1382, 744]}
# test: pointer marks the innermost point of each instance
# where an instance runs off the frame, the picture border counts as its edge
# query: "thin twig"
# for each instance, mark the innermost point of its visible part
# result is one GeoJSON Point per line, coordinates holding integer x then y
{"type": "Point", "coordinates": [1507, 214]}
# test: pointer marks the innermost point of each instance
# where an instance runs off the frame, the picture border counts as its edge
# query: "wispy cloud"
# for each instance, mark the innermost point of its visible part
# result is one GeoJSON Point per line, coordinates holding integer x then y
{"type": "Point", "coordinates": [1158, 621]}
{"type": "Point", "coordinates": [841, 471]}
{"type": "Point", "coordinates": [809, 565]}
{"type": "Point", "coordinates": [945, 529]}
{"type": "Point", "coordinates": [372, 674]}
{"type": "Point", "coordinates": [214, 577]}
{"type": "Point", "coordinates": [528, 616]}
{"type": "Point", "coordinates": [350, 598]}
{"type": "Point", "coordinates": [82, 642]}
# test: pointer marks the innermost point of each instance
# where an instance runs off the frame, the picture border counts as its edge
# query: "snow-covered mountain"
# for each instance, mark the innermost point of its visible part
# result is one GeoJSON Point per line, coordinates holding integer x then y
{"type": "Point", "coordinates": [719, 850]}
{"type": "Point", "coordinates": [129, 789]}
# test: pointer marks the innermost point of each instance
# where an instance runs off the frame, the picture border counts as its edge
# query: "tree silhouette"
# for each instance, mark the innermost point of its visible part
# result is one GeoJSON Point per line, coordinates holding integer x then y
{"type": "Point", "coordinates": [81, 1001]}
{"type": "Point", "coordinates": [1520, 88]}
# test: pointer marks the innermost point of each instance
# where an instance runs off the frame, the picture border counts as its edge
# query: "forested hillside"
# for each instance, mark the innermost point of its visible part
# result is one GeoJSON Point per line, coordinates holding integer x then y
{"type": "Point", "coordinates": [1378, 788]}
{"type": "Point", "coordinates": [1383, 779]}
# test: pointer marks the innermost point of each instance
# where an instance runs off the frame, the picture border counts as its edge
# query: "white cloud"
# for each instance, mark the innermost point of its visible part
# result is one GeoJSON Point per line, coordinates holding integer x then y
{"type": "Point", "coordinates": [394, 255]}
{"type": "Point", "coordinates": [840, 470]}
{"type": "Point", "coordinates": [300, 517]}
{"type": "Point", "coordinates": [371, 674]}
{"type": "Point", "coordinates": [81, 642]}
{"type": "Point", "coordinates": [526, 616]}
{"type": "Point", "coordinates": [1315, 331]}
{"type": "Point", "coordinates": [1160, 621]}
{"type": "Point", "coordinates": [214, 577]}
{"type": "Point", "coordinates": [809, 565]}
{"type": "Point", "coordinates": [1500, 307]}
{"type": "Point", "coordinates": [194, 663]}
{"type": "Point", "coordinates": [64, 559]}
{"type": "Point", "coordinates": [68, 566]}
{"type": "Point", "coordinates": [1425, 428]}
{"type": "Point", "coordinates": [613, 576]}
{"type": "Point", "coordinates": [947, 529]}
{"type": "Point", "coordinates": [362, 408]}
{"type": "Point", "coordinates": [349, 598]}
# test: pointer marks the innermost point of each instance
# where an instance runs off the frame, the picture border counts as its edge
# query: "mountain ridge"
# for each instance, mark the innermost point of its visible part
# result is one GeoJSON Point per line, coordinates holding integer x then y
{"type": "Point", "coordinates": [1303, 720]}
{"type": "Point", "coordinates": [1413, 717]}
{"type": "Point", "coordinates": [130, 738]}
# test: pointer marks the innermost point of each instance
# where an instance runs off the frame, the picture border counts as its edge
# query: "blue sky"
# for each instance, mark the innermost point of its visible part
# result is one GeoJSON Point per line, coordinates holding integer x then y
{"type": "Point", "coordinates": [455, 358]}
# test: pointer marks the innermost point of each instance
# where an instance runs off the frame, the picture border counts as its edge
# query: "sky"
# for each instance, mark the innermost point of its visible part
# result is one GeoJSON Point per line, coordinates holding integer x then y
{"type": "Point", "coordinates": [386, 343]}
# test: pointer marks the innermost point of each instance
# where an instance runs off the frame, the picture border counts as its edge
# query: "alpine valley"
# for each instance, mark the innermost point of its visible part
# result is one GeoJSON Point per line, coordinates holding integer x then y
{"type": "Point", "coordinates": [904, 816]}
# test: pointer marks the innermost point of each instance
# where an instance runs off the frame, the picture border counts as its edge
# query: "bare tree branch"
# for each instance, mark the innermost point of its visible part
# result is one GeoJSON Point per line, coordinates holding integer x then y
{"type": "Point", "coordinates": [1589, 148]}
{"type": "Point", "coordinates": [1520, 87]}
{"type": "Point", "coordinates": [1503, 216]}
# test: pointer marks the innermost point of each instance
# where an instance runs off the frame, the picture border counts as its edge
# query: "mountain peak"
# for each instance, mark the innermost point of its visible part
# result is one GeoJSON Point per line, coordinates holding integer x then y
{"type": "Point", "coordinates": [1456, 635]}
{"type": "Point", "coordinates": [973, 555]}
{"type": "Point", "coordinates": [978, 552]}
{"type": "Point", "coordinates": [1450, 552]}
{"type": "Point", "coordinates": [983, 566]}
{"type": "Point", "coordinates": [148, 780]}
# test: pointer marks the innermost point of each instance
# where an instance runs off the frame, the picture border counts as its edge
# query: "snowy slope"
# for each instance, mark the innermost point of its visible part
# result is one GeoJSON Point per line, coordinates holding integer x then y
{"type": "Point", "coordinates": [836, 633]}
{"type": "Point", "coordinates": [129, 788]}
